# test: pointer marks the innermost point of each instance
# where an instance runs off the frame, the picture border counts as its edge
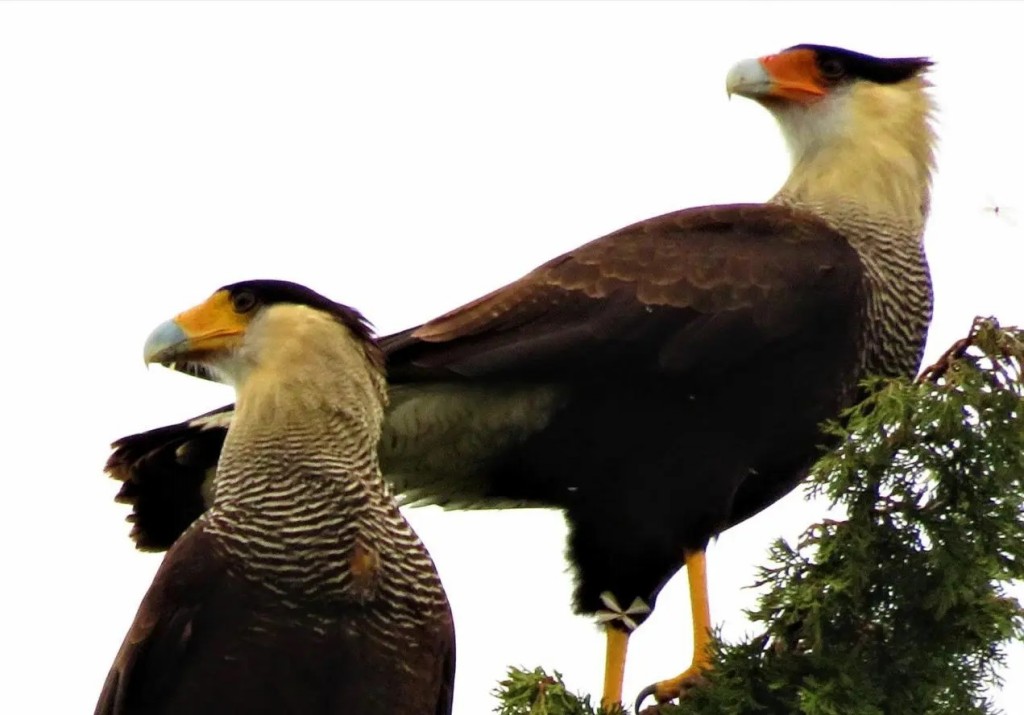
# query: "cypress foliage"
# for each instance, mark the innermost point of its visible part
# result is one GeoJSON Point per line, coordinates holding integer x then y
{"type": "Point", "coordinates": [901, 606]}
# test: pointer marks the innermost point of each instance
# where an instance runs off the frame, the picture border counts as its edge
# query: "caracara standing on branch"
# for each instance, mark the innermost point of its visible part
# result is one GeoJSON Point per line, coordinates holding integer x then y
{"type": "Point", "coordinates": [302, 589]}
{"type": "Point", "coordinates": [666, 381]}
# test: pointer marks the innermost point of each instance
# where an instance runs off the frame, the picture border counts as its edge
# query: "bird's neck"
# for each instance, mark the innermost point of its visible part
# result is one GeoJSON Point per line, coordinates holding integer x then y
{"type": "Point", "coordinates": [866, 171]}
{"type": "Point", "coordinates": [285, 455]}
{"type": "Point", "coordinates": [299, 500]}
{"type": "Point", "coordinates": [865, 154]}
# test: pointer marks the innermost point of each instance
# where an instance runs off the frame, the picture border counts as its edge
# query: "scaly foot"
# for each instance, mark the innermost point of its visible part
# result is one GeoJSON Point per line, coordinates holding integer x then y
{"type": "Point", "coordinates": [673, 688]}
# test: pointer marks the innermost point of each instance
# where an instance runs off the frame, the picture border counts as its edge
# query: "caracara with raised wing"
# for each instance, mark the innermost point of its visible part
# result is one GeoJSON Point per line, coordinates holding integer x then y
{"type": "Point", "coordinates": [668, 380]}
{"type": "Point", "coordinates": [302, 589]}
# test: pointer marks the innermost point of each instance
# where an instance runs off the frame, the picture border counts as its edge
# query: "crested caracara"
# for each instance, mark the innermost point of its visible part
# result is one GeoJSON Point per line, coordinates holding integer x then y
{"type": "Point", "coordinates": [302, 589]}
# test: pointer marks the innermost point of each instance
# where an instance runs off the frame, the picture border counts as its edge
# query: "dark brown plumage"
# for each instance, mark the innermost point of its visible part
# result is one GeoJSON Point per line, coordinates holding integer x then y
{"type": "Point", "coordinates": [647, 325]}
{"type": "Point", "coordinates": [302, 589]}
{"type": "Point", "coordinates": [196, 647]}
{"type": "Point", "coordinates": [667, 381]}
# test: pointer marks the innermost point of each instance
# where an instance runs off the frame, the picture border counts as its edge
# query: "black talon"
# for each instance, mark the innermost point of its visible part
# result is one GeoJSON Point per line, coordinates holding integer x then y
{"type": "Point", "coordinates": [644, 694]}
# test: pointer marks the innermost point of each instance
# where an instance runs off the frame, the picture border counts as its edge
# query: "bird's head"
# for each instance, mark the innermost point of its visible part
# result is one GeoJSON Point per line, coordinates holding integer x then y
{"type": "Point", "coordinates": [264, 327]}
{"type": "Point", "coordinates": [804, 75]}
{"type": "Point", "coordinates": [855, 124]}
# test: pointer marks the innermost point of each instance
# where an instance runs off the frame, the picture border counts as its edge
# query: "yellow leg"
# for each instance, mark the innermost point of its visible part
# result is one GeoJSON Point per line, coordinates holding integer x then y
{"type": "Point", "coordinates": [700, 608]}
{"type": "Point", "coordinates": [696, 571]}
{"type": "Point", "coordinates": [614, 665]}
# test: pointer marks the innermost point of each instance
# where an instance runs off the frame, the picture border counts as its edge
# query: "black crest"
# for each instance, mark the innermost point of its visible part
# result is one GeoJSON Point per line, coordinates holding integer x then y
{"type": "Point", "coordinates": [263, 292]}
{"type": "Point", "coordinates": [837, 64]}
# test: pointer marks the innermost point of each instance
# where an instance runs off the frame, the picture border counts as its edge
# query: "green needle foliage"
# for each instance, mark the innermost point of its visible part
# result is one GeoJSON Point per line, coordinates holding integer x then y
{"type": "Point", "coordinates": [901, 607]}
{"type": "Point", "coordinates": [537, 693]}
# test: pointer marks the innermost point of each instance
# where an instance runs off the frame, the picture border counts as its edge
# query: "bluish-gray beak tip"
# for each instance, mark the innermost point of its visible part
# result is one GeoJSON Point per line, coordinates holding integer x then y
{"type": "Point", "coordinates": [164, 342]}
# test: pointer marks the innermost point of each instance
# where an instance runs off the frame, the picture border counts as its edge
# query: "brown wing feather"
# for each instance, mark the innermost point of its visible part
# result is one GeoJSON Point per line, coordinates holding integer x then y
{"type": "Point", "coordinates": [696, 290]}
{"type": "Point", "coordinates": [664, 294]}
{"type": "Point", "coordinates": [162, 474]}
{"type": "Point", "coordinates": [208, 640]}
{"type": "Point", "coordinates": [446, 690]}
{"type": "Point", "coordinates": [152, 655]}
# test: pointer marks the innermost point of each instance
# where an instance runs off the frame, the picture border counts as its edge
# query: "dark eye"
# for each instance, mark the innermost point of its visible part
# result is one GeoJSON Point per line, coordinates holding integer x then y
{"type": "Point", "coordinates": [832, 69]}
{"type": "Point", "coordinates": [243, 301]}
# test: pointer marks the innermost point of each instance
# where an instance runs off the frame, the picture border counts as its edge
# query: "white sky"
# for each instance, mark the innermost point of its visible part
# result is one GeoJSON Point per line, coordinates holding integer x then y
{"type": "Point", "coordinates": [404, 159]}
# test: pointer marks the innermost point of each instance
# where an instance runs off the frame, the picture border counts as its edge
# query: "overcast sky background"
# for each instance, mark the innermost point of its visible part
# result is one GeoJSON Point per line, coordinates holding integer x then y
{"type": "Point", "coordinates": [402, 158]}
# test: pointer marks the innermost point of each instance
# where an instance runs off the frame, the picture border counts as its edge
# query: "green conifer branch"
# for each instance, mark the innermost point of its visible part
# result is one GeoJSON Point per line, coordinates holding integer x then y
{"type": "Point", "coordinates": [537, 693]}
{"type": "Point", "coordinates": [901, 606]}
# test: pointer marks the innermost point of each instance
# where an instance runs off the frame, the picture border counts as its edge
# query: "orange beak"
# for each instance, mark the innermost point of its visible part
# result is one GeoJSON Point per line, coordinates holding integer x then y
{"type": "Point", "coordinates": [792, 75]}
